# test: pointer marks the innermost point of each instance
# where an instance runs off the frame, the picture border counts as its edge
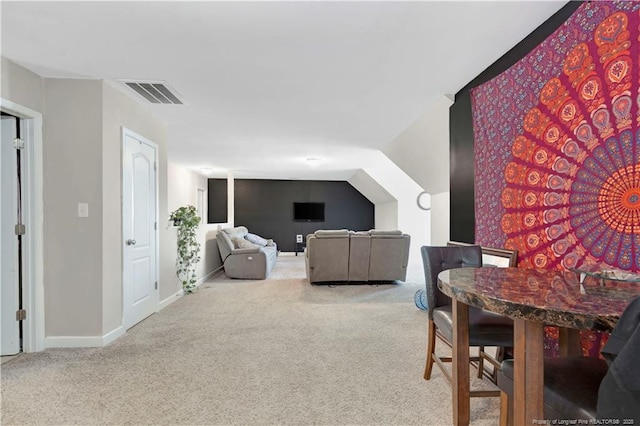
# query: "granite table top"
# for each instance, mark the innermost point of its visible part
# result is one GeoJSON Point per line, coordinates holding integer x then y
{"type": "Point", "coordinates": [550, 297]}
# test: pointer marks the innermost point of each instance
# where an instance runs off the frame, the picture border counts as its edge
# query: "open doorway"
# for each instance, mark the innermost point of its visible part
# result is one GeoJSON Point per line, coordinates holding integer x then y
{"type": "Point", "coordinates": [21, 230]}
{"type": "Point", "coordinates": [11, 233]}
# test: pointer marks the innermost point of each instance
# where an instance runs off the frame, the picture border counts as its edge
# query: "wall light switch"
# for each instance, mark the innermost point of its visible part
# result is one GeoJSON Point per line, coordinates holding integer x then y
{"type": "Point", "coordinates": [83, 210]}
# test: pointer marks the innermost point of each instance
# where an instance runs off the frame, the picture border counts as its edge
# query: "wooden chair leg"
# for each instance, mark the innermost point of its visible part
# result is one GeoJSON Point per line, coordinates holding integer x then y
{"type": "Point", "coordinates": [431, 347]}
{"type": "Point", "coordinates": [504, 408]}
{"type": "Point", "coordinates": [500, 355]}
{"type": "Point", "coordinates": [480, 362]}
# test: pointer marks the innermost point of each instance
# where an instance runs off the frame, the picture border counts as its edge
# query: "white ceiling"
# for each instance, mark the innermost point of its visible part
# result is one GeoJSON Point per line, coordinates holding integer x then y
{"type": "Point", "coordinates": [269, 84]}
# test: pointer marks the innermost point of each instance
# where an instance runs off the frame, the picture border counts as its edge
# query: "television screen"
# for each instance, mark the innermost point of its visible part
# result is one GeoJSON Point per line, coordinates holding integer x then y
{"type": "Point", "coordinates": [310, 212]}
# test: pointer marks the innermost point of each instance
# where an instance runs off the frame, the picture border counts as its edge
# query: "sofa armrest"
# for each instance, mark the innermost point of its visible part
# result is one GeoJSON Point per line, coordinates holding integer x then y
{"type": "Point", "coordinates": [246, 250]}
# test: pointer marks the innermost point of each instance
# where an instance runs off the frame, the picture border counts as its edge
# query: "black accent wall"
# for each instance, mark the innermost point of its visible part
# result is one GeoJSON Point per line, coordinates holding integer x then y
{"type": "Point", "coordinates": [265, 207]}
{"type": "Point", "coordinates": [461, 158]}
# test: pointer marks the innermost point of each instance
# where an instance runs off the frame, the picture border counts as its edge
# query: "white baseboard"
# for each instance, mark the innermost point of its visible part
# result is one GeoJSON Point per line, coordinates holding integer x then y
{"type": "Point", "coordinates": [100, 341]}
{"type": "Point", "coordinates": [169, 300]}
{"type": "Point", "coordinates": [83, 341]}
{"type": "Point", "coordinates": [207, 276]}
{"type": "Point", "coordinates": [73, 342]}
{"type": "Point", "coordinates": [113, 335]}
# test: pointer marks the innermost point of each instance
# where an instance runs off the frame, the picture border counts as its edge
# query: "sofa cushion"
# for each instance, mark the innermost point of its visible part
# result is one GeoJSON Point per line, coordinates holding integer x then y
{"type": "Point", "coordinates": [381, 233]}
{"type": "Point", "coordinates": [359, 254]}
{"type": "Point", "coordinates": [238, 231]}
{"type": "Point", "coordinates": [331, 233]}
{"type": "Point", "coordinates": [256, 239]}
{"type": "Point", "coordinates": [225, 245]}
{"type": "Point", "coordinates": [389, 257]}
{"type": "Point", "coordinates": [241, 243]}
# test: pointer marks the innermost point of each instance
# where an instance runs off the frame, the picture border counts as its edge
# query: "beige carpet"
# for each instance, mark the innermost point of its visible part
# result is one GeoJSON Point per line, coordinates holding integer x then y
{"type": "Point", "coordinates": [273, 352]}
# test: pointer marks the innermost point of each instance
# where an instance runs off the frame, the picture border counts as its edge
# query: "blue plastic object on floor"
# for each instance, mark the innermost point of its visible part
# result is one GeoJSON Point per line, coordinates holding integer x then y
{"type": "Point", "coordinates": [420, 299]}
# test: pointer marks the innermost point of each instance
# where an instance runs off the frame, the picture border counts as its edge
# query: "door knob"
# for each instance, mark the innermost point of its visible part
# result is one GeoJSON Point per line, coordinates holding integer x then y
{"type": "Point", "coordinates": [131, 242]}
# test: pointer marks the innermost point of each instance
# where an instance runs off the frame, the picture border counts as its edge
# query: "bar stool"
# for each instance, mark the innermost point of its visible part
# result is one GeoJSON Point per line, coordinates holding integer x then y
{"type": "Point", "coordinates": [571, 386]}
{"type": "Point", "coordinates": [485, 328]}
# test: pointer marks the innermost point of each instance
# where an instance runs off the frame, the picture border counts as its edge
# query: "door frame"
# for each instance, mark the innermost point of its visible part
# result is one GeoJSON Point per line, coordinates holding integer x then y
{"type": "Point", "coordinates": [33, 207]}
{"type": "Point", "coordinates": [128, 132]}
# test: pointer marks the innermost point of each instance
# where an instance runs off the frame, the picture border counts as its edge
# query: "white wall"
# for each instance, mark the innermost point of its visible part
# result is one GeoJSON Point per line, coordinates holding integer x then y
{"type": "Point", "coordinates": [72, 174]}
{"type": "Point", "coordinates": [21, 86]}
{"type": "Point", "coordinates": [440, 219]}
{"type": "Point", "coordinates": [385, 204]}
{"type": "Point", "coordinates": [387, 215]}
{"type": "Point", "coordinates": [422, 149]}
{"type": "Point", "coordinates": [182, 191]}
{"type": "Point", "coordinates": [422, 152]}
{"type": "Point", "coordinates": [120, 111]}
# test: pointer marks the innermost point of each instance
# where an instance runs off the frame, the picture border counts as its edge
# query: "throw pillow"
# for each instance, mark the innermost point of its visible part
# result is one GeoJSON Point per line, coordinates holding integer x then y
{"type": "Point", "coordinates": [255, 239]}
{"type": "Point", "coordinates": [241, 243]}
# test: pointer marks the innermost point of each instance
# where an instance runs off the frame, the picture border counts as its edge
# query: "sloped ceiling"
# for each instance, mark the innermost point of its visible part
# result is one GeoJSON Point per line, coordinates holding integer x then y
{"type": "Point", "coordinates": [269, 84]}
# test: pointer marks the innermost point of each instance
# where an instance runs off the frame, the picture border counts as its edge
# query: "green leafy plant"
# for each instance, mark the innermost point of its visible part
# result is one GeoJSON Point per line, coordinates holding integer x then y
{"type": "Point", "coordinates": [187, 221]}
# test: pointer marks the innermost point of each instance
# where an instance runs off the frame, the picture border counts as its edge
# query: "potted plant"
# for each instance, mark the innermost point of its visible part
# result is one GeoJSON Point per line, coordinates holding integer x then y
{"type": "Point", "coordinates": [187, 220]}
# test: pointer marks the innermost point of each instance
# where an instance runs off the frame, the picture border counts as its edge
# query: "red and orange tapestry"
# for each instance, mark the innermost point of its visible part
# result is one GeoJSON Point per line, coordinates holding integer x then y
{"type": "Point", "coordinates": [557, 147]}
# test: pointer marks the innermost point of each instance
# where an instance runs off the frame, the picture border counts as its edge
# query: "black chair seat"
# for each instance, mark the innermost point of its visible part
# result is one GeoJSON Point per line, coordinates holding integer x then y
{"type": "Point", "coordinates": [485, 328]}
{"type": "Point", "coordinates": [570, 385]}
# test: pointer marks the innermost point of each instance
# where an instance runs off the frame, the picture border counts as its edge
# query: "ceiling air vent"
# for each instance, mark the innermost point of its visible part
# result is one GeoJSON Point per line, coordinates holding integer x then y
{"type": "Point", "coordinates": [155, 92]}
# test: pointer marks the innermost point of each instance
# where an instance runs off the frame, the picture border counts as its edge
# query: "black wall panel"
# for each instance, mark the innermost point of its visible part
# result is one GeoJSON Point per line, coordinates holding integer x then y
{"type": "Point", "coordinates": [217, 203]}
{"type": "Point", "coordinates": [462, 214]}
{"type": "Point", "coordinates": [265, 207]}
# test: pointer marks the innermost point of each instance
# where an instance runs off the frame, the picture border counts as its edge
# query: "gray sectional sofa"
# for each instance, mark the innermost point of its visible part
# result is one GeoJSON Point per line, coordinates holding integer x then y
{"type": "Point", "coordinates": [342, 256]}
{"type": "Point", "coordinates": [246, 255]}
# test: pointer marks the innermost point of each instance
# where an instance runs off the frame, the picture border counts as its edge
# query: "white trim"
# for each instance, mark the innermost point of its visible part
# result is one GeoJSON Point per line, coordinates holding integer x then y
{"type": "Point", "coordinates": [169, 300]}
{"type": "Point", "coordinates": [74, 342]}
{"type": "Point", "coordinates": [201, 208]}
{"type": "Point", "coordinates": [124, 132]}
{"type": "Point", "coordinates": [207, 276]}
{"type": "Point", "coordinates": [84, 341]}
{"type": "Point", "coordinates": [33, 291]}
{"type": "Point", "coordinates": [113, 335]}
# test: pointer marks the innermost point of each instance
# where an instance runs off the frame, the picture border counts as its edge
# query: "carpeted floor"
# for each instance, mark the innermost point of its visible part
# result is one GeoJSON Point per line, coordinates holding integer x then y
{"type": "Point", "coordinates": [272, 352]}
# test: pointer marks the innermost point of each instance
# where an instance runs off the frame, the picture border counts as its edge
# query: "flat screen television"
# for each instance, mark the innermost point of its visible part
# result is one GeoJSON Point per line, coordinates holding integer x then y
{"type": "Point", "coordinates": [308, 212]}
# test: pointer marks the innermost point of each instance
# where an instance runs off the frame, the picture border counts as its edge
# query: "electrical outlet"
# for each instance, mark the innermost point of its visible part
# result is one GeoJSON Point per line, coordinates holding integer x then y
{"type": "Point", "coordinates": [299, 238]}
{"type": "Point", "coordinates": [83, 210]}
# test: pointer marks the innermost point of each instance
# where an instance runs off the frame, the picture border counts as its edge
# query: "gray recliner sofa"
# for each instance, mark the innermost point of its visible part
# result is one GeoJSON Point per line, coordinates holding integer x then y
{"type": "Point", "coordinates": [246, 255]}
{"type": "Point", "coordinates": [342, 256]}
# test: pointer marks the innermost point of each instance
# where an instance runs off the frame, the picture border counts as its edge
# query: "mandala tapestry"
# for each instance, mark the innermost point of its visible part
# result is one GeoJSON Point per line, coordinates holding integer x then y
{"type": "Point", "coordinates": [557, 147]}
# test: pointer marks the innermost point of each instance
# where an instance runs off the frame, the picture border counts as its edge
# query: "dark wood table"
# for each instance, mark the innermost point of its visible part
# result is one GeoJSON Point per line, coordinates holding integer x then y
{"type": "Point", "coordinates": [533, 298]}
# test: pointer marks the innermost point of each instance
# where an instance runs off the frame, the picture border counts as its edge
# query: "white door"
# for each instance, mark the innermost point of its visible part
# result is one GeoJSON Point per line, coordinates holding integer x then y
{"type": "Point", "coordinates": [140, 293]}
{"type": "Point", "coordinates": [9, 252]}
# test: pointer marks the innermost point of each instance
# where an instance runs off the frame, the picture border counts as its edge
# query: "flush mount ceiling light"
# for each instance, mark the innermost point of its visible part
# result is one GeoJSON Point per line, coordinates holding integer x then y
{"type": "Point", "coordinates": [206, 170]}
{"type": "Point", "coordinates": [314, 161]}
